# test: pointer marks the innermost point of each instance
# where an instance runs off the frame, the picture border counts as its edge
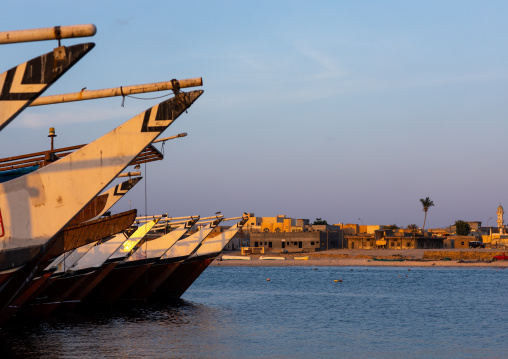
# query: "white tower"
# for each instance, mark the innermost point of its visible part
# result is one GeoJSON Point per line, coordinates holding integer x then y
{"type": "Point", "coordinates": [500, 220]}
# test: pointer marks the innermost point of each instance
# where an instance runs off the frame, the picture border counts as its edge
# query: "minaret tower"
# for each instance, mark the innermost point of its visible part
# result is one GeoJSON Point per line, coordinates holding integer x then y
{"type": "Point", "coordinates": [500, 220]}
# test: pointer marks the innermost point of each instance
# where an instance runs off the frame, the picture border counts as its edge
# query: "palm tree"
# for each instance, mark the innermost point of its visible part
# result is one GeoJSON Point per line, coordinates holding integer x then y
{"type": "Point", "coordinates": [426, 203]}
{"type": "Point", "coordinates": [412, 227]}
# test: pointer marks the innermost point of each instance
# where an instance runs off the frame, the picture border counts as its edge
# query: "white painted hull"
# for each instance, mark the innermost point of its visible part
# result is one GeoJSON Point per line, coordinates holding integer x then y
{"type": "Point", "coordinates": [272, 258]}
{"type": "Point", "coordinates": [156, 248]}
{"type": "Point", "coordinates": [36, 206]}
{"type": "Point", "coordinates": [235, 258]}
{"type": "Point", "coordinates": [218, 243]}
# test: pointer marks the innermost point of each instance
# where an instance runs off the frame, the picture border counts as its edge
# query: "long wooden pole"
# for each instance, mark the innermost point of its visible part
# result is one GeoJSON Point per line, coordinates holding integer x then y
{"type": "Point", "coordinates": [116, 91]}
{"type": "Point", "coordinates": [47, 33]}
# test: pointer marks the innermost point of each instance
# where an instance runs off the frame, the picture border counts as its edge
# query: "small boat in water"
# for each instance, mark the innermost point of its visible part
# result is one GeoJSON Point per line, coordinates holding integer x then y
{"type": "Point", "coordinates": [271, 258]}
{"type": "Point", "coordinates": [389, 259]}
{"type": "Point", "coordinates": [236, 258]}
{"type": "Point", "coordinates": [306, 258]}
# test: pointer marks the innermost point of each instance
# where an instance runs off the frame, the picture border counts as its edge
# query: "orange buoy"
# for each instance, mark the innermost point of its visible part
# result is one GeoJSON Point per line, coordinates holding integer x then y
{"type": "Point", "coordinates": [268, 279]}
{"type": "Point", "coordinates": [340, 280]}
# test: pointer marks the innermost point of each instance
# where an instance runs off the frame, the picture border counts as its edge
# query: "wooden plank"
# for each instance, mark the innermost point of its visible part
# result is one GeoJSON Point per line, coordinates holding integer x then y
{"type": "Point", "coordinates": [47, 33]}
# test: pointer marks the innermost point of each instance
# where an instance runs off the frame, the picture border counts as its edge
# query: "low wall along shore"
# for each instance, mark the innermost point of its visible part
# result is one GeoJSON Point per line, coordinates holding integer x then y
{"type": "Point", "coordinates": [398, 258]}
{"type": "Point", "coordinates": [458, 255]}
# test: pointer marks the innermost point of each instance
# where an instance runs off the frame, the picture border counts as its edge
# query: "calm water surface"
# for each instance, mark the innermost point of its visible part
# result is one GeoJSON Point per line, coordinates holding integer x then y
{"type": "Point", "coordinates": [233, 312]}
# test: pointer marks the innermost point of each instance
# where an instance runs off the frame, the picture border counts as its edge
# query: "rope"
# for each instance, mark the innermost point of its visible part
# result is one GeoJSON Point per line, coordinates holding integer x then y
{"type": "Point", "coordinates": [146, 201]}
{"type": "Point", "coordinates": [123, 95]}
{"type": "Point", "coordinates": [147, 98]}
{"type": "Point", "coordinates": [176, 90]}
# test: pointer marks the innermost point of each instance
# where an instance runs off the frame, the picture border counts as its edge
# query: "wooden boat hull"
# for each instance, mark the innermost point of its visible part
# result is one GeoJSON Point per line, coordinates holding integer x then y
{"type": "Point", "coordinates": [182, 277]}
{"type": "Point", "coordinates": [20, 300]}
{"type": "Point", "coordinates": [164, 255]}
{"type": "Point", "coordinates": [187, 272]}
{"type": "Point", "coordinates": [146, 285]}
{"type": "Point", "coordinates": [117, 282]}
{"type": "Point", "coordinates": [80, 291]}
{"type": "Point", "coordinates": [75, 236]}
{"type": "Point", "coordinates": [60, 190]}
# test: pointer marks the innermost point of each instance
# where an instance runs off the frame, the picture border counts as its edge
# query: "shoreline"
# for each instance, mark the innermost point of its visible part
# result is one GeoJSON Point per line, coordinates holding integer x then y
{"type": "Point", "coordinates": [365, 258]}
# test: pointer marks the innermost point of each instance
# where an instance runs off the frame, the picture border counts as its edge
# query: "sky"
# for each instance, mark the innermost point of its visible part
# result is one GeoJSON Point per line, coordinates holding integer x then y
{"type": "Point", "coordinates": [350, 111]}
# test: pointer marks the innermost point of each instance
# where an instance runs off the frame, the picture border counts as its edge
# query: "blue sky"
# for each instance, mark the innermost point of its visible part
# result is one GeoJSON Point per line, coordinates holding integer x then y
{"type": "Point", "coordinates": [333, 109]}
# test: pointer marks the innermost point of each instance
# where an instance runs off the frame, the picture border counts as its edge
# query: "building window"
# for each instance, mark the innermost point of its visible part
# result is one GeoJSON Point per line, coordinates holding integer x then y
{"type": "Point", "coordinates": [311, 243]}
{"type": "Point", "coordinates": [255, 244]}
{"type": "Point", "coordinates": [462, 243]}
{"type": "Point", "coordinates": [409, 244]}
{"type": "Point", "coordinates": [393, 244]}
{"type": "Point", "coordinates": [270, 244]}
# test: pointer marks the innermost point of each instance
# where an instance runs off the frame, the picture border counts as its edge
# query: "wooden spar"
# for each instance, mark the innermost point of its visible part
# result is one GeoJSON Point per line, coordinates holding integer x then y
{"type": "Point", "coordinates": [231, 219]}
{"type": "Point", "coordinates": [170, 224]}
{"type": "Point", "coordinates": [117, 91]}
{"type": "Point", "coordinates": [183, 134]}
{"type": "Point", "coordinates": [129, 174]}
{"type": "Point", "coordinates": [213, 217]}
{"type": "Point", "coordinates": [47, 33]}
{"type": "Point", "coordinates": [163, 217]}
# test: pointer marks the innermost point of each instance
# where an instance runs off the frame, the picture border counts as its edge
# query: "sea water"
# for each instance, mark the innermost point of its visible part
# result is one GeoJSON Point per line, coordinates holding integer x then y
{"type": "Point", "coordinates": [300, 312]}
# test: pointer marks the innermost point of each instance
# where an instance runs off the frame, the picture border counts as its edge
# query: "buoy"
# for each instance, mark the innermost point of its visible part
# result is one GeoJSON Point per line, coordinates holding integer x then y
{"type": "Point", "coordinates": [314, 268]}
{"type": "Point", "coordinates": [406, 276]}
{"type": "Point", "coordinates": [335, 280]}
{"type": "Point", "coordinates": [409, 269]}
{"type": "Point", "coordinates": [340, 280]}
{"type": "Point", "coordinates": [268, 279]}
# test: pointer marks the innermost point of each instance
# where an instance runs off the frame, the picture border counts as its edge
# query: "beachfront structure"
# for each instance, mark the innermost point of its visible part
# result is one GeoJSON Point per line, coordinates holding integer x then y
{"type": "Point", "coordinates": [392, 239]}
{"type": "Point", "coordinates": [315, 240]}
{"type": "Point", "coordinates": [277, 224]}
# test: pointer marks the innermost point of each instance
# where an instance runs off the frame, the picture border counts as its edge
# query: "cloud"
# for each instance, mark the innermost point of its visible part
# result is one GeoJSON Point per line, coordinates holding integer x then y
{"type": "Point", "coordinates": [123, 22]}
{"type": "Point", "coordinates": [42, 120]}
{"type": "Point", "coordinates": [326, 66]}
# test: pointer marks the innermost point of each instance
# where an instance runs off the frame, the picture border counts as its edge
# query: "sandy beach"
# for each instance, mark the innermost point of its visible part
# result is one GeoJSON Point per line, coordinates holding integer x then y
{"type": "Point", "coordinates": [388, 257]}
